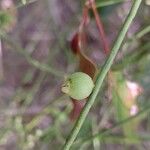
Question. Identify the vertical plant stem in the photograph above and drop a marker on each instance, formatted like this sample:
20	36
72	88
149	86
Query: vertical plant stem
101	75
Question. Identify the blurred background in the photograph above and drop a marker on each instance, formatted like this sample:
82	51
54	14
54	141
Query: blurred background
35	56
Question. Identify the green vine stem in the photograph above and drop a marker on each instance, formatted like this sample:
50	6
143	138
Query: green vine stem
101	75
108	2
142	32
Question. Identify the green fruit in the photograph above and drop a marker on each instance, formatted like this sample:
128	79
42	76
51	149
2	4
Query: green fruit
78	86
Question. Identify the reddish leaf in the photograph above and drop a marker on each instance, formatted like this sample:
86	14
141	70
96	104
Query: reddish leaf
77	107
86	65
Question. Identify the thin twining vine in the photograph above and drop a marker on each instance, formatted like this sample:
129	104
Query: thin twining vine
101	75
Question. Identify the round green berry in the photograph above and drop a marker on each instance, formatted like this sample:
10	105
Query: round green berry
78	86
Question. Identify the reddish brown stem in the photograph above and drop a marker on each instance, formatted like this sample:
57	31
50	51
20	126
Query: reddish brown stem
100	26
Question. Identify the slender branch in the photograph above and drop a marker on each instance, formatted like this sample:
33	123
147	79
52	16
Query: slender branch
138	54
143	32
109	2
137	36
132	140
108	131
101	76
32	61
132	57
22	4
